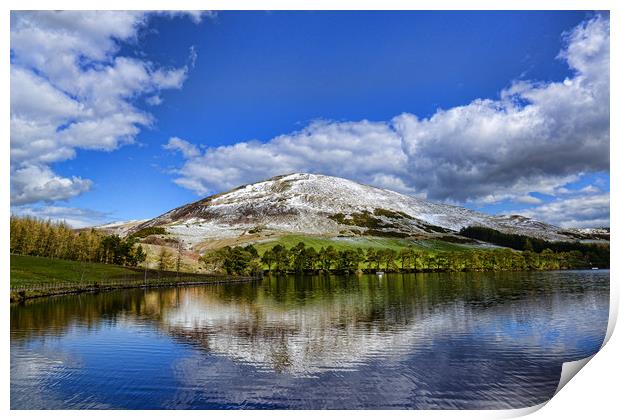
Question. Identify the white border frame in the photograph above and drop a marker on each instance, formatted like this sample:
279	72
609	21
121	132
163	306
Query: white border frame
591	394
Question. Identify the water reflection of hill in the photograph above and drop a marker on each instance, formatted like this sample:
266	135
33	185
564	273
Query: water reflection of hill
306	325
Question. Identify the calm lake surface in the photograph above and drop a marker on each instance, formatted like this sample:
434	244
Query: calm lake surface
483	340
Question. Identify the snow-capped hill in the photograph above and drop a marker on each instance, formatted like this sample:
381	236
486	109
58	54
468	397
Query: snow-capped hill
303	203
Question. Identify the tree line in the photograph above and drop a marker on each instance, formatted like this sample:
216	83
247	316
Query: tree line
46	238
596	254
302	259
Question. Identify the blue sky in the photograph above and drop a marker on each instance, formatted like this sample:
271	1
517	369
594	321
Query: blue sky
263	85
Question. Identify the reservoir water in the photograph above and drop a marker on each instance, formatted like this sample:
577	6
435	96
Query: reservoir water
412	341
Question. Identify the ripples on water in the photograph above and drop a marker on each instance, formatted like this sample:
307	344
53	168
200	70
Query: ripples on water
491	340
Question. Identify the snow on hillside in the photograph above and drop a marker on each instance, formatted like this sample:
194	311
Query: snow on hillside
325	205
593	231
120	227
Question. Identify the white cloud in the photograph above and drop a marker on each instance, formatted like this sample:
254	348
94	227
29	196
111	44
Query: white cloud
367	151
187	149
169	79
195	15
193	56
534	133
536	137
33	183
71	90
579	211
590	189
52	105
528	199
154	100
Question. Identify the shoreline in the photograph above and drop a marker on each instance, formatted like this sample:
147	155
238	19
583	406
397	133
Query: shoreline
16	296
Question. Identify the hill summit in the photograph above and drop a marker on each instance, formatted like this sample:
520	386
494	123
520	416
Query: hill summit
312	204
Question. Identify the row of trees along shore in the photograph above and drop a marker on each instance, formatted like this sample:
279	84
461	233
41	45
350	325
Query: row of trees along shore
595	254
302	259
44	238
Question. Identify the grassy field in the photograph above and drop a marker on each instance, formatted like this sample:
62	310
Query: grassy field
429	245
27	270
39	276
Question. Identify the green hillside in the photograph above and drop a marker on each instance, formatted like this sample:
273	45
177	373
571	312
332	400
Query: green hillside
343	243
28	270
41	276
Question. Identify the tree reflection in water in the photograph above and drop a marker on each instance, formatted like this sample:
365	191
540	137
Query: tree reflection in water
440	329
